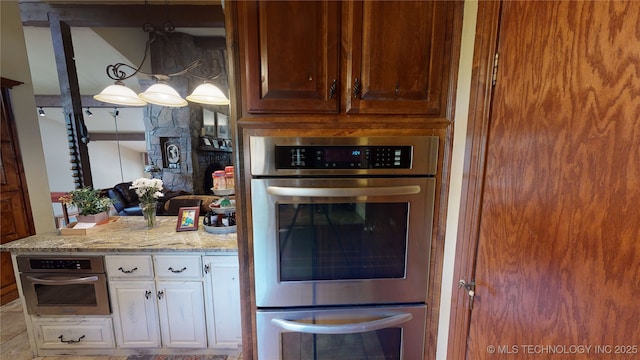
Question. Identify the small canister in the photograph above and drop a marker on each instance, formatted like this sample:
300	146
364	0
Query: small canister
229	180
219	181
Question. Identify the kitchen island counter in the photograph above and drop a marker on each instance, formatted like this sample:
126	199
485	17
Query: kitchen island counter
128	234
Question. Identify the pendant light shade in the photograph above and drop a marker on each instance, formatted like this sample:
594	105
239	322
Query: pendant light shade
161	93
208	93
119	94
164	95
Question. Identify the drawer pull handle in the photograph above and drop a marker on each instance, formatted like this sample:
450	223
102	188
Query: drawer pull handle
147	294
177	271
127	271
62	340
207	268
160	294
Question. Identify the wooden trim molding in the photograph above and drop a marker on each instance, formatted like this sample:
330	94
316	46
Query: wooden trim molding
473	178
8	83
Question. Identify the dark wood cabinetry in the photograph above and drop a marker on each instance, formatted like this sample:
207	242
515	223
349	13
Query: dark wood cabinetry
352	57
290	54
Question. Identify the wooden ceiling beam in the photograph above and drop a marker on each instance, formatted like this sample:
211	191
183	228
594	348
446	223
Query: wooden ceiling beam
80	15
120	136
86	100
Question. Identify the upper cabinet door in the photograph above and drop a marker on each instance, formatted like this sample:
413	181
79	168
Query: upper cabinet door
290	52
400	57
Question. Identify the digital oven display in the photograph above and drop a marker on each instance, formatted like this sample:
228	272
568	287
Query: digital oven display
343	157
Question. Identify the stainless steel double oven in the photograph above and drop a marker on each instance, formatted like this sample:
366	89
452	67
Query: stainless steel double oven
341	242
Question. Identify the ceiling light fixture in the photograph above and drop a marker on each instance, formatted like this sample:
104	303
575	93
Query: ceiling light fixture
88	112
160	93
41	111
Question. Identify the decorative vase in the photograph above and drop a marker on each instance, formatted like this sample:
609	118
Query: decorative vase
99	218
149	213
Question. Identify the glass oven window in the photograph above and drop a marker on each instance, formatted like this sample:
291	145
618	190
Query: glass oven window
67	295
381	344
342	241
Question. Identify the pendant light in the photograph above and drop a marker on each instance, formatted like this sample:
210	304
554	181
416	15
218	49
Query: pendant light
119	94
160	93
208	93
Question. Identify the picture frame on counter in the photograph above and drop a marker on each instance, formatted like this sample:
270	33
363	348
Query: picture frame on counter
188	218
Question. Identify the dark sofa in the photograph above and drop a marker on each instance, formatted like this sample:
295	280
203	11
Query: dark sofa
127	203
125	200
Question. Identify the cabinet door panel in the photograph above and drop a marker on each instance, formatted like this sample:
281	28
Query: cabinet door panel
223	287
289	70
400	57
135	314
182	315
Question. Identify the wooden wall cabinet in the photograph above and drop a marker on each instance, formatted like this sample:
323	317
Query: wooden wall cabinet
352	57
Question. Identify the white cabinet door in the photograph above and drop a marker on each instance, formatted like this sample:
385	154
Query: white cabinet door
182	316
223	308
135	313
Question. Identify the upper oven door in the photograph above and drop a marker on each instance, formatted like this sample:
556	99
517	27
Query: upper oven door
341	241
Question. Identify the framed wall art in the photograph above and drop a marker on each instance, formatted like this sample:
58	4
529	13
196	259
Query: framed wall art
188	218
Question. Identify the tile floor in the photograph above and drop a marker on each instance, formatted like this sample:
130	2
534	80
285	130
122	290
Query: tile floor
14	343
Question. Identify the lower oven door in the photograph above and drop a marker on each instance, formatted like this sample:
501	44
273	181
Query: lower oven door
65	294
342	241
354	333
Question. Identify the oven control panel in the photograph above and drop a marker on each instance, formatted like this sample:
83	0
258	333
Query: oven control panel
85	264
52	264
343	157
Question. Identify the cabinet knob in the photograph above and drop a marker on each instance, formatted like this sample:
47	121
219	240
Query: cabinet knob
147	294
160	294
207	268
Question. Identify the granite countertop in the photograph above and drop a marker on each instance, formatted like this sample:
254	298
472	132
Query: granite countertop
127	234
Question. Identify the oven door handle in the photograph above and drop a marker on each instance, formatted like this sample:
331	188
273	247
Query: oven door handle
63	281
343	192
343	328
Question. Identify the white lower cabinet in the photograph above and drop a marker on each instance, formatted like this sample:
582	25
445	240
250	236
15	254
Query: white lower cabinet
135	313
222	289
73	333
166	310
182	319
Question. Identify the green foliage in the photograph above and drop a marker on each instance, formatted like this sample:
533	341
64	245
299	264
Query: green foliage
87	200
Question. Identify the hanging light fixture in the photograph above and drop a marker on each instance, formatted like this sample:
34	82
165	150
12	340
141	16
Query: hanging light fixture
160	93
88	112
41	111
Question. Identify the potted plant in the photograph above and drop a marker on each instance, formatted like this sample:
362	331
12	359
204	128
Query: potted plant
92	207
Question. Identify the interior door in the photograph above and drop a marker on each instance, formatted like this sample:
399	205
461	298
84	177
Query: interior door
14	204
558	253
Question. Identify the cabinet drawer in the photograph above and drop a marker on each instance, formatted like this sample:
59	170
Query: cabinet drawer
129	267
182	267
73	333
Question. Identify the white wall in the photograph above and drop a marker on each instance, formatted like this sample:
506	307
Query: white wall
14	65
457	164
103	155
